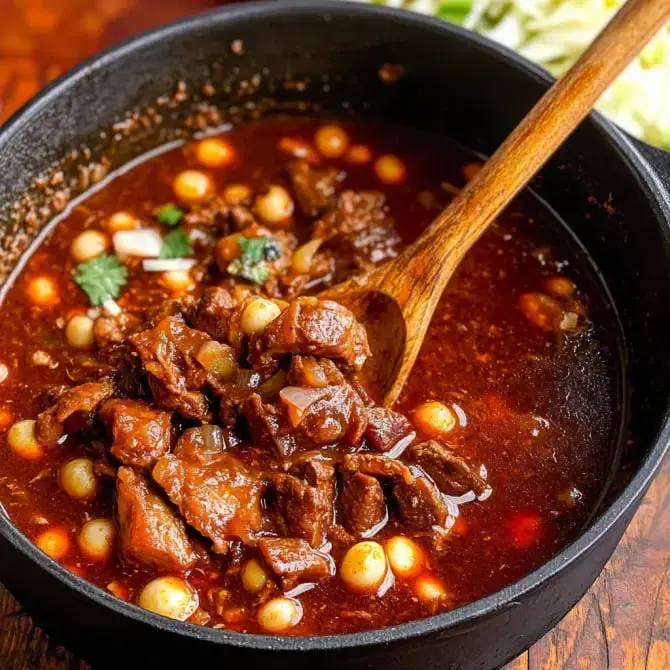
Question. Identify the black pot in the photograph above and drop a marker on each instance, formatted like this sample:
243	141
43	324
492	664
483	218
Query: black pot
457	84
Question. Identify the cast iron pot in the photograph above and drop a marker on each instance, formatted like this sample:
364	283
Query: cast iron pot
615	201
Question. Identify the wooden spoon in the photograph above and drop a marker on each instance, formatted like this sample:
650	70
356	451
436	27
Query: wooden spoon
396	301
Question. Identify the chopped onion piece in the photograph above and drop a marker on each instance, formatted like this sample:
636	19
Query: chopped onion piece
112	307
212	436
168	264
145	243
297	399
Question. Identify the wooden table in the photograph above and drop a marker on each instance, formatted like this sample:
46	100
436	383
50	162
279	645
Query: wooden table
622	622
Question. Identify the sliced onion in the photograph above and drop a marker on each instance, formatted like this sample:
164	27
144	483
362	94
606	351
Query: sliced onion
298	399
274	384
112	307
145	243
168	264
212	436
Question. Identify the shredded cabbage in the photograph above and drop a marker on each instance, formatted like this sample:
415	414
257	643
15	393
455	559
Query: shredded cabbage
554	33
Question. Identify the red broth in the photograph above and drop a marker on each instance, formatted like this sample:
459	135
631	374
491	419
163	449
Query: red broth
536	406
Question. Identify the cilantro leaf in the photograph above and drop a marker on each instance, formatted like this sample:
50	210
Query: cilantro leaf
176	245
251	265
169	214
101	278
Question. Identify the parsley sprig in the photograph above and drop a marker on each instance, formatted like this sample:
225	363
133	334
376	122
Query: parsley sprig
169	214
256	251
176	244
101	278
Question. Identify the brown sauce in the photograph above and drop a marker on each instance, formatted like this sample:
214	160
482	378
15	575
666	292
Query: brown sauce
536	408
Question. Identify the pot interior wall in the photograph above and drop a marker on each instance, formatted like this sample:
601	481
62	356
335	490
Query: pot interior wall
453	87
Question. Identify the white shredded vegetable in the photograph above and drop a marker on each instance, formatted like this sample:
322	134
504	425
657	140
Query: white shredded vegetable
554	33
145	243
168	264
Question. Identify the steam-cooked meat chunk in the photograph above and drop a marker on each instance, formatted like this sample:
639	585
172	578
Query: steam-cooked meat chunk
420	504
212	313
114	329
294	561
150	533
325	415
314	372
215	492
305	500
388	430
268	427
140	433
82	398
310	326
354	213
168	352
313	187
451	473
362	503
377	465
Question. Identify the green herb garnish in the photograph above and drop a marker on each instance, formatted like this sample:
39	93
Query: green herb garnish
169	214
102	278
256	251
176	245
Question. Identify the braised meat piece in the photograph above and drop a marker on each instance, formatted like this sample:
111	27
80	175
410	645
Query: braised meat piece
150	533
215	492
354	213
377	465
168	352
310	326
140	433
325	415
314	188
212	312
268	427
362	503
451	473
82	398
305	500
171	307
388	430
294	561
420	504
114	329
314	372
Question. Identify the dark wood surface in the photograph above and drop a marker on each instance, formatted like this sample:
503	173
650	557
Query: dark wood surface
623	622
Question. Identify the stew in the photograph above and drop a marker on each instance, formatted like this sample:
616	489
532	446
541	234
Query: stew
182	418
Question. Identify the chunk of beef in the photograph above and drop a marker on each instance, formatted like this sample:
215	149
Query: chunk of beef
168	352
354	213
212	313
377	465
294	561
268	427
314	188
325	415
310	326
451	473
362	503
215	492
82	398
140	433
314	372
171	307
305	500
108	330
420	504
150	533
388	431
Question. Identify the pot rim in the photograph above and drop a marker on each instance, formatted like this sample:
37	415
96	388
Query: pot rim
507	597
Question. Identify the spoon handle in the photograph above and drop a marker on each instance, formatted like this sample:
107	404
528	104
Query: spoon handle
531	144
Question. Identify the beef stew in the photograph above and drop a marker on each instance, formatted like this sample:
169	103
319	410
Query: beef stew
183	419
